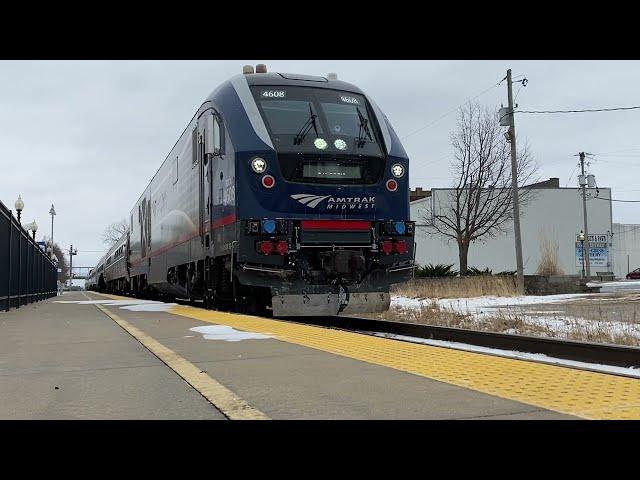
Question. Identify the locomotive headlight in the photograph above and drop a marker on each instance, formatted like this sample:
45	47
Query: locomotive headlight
340	144
258	165
320	143
397	170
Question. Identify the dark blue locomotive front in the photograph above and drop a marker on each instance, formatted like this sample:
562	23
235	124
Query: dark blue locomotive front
324	205
289	192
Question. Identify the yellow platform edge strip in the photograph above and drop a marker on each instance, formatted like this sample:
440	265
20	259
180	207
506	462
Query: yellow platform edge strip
580	393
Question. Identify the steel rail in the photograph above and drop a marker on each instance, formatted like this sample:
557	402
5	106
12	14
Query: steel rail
599	353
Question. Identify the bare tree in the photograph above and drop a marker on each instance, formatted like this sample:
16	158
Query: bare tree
63	276
480	203
114	232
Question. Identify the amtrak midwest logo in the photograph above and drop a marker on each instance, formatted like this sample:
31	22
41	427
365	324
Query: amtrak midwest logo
336	203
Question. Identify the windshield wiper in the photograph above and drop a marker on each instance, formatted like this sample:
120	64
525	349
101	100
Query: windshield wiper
364	129
306	128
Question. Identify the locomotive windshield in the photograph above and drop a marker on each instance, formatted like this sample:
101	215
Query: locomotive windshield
322	135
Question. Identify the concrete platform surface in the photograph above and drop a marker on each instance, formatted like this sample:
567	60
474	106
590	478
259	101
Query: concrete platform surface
67	361
101	371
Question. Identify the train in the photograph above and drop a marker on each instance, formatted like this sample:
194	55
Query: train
285	193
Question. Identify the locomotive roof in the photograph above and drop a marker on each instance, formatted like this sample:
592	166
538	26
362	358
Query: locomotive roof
299	80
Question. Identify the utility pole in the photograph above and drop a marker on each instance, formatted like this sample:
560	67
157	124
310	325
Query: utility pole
72	252
514	188
585	250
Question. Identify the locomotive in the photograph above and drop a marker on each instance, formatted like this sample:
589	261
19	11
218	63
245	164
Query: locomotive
285	192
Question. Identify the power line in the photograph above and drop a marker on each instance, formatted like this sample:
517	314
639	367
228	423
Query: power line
572	174
588	110
518	92
616	200
452	110
578	111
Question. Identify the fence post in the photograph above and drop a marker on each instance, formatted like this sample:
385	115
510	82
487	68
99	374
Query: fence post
19	263
30	258
37	273
10	255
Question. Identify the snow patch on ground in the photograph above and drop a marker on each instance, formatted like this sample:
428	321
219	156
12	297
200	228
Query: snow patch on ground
133	305
482	306
150	307
619	283
617	286
479	306
107	302
537	357
227	334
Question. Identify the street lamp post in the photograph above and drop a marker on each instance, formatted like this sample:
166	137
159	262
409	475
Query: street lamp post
34	229
52	212
581	238
19	207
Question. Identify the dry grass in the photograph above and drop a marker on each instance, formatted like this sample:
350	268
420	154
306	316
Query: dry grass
458	287
549	256
611	319
518	321
582	322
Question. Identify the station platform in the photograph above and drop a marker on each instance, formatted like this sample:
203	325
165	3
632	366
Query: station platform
93	356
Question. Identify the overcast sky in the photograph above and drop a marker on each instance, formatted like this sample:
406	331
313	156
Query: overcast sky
89	135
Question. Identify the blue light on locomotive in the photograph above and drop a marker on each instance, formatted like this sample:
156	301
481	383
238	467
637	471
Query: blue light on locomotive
269	226
400	228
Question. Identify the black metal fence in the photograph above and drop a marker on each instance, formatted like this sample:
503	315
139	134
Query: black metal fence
26	272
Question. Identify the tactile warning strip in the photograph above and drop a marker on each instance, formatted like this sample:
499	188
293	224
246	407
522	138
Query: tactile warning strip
574	392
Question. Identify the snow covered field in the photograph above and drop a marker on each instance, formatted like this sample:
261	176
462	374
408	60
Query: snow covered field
612	316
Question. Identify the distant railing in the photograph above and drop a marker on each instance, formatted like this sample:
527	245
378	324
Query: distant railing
26	272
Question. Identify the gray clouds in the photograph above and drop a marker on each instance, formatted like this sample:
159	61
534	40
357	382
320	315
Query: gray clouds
70	129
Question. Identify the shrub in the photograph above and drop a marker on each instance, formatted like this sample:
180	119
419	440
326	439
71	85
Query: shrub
477	271
438	270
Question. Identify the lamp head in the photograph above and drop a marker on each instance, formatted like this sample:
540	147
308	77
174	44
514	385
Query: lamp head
19	204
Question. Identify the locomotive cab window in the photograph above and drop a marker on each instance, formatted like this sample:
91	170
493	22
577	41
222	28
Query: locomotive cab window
217	137
175	176
322	135
194	147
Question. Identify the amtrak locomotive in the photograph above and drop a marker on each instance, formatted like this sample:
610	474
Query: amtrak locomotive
285	192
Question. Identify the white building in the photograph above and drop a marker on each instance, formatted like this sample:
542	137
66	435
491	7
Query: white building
626	248
552	212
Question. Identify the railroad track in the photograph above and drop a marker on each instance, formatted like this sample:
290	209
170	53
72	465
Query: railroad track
599	353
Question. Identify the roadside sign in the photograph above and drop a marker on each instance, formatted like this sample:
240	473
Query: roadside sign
598	255
595	237
598	250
